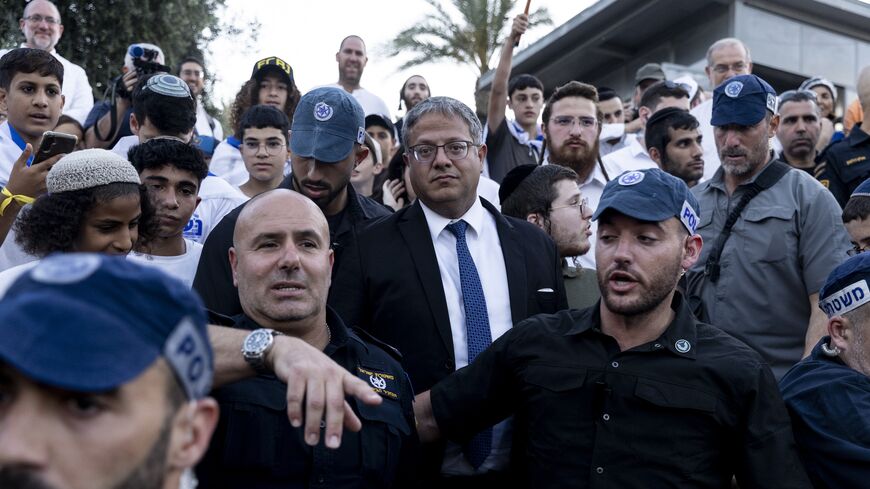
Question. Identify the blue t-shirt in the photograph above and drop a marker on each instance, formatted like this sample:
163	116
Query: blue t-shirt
101	109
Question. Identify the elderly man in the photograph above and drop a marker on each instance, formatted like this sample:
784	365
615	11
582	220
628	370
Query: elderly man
442	278
828	394
726	58
42	28
775	233
106	386
634	391
282	263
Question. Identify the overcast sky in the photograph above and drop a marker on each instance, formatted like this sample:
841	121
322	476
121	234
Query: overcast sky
307	34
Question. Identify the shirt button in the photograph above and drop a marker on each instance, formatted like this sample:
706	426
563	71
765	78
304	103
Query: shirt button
658	345
606	417
615	364
599	470
322	424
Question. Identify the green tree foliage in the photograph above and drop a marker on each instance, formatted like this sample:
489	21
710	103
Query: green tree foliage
96	33
470	33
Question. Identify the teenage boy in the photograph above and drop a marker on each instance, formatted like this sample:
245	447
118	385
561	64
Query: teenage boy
265	149
517	142
172	172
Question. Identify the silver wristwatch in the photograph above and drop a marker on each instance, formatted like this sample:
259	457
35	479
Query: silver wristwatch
256	345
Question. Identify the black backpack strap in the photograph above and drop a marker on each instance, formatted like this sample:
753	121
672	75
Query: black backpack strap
768	178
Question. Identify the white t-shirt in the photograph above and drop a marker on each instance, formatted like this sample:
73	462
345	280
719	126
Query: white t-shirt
218	198
227	163
78	97
182	267
371	103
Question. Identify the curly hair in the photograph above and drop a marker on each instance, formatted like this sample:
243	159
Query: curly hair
249	95
53	222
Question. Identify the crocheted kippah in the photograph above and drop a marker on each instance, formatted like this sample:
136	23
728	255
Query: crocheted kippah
89	168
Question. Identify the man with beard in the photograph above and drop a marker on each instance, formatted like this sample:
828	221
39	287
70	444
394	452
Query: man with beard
444	276
799	128
634	391
413	91
281	260
42	28
761	283
673	141
106	386
352	59
328	134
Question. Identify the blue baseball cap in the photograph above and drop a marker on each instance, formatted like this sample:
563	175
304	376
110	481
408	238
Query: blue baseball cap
327	123
742	100
91	323
847	286
650	195
862	190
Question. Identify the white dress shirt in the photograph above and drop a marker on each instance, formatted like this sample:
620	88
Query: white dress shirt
485	248
76	90
630	158
704	113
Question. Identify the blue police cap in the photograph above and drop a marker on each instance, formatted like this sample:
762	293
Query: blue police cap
326	124
862	190
91	323
742	100
650	195
846	288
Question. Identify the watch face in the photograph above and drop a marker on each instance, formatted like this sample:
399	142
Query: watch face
257	341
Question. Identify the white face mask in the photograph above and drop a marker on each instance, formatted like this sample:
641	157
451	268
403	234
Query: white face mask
611	131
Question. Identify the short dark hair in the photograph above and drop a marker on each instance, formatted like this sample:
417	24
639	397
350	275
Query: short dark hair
68	119
657	134
858	207
522	82
260	116
160	152
571	89
53	222
170	115
536	193
190	59
659	90
27	60
607	93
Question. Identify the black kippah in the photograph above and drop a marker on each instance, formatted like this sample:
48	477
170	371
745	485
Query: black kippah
513	179
662	114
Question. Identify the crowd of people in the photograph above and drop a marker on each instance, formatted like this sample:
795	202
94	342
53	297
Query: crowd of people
666	290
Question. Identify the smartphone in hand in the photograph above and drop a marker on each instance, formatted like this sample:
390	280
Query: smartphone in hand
53	144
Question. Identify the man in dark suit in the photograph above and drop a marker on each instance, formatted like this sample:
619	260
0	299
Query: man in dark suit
443	278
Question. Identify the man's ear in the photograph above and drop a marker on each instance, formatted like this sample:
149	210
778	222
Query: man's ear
774	125
840	329
536	219
691	250
134	124
191	433
234	262
655	155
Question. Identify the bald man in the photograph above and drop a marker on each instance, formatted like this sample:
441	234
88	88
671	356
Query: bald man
42	28
282	264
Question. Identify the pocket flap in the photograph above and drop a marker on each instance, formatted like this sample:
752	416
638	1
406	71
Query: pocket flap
761	213
674	396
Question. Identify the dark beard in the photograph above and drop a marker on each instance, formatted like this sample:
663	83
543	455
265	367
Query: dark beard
150	475
582	164
661	284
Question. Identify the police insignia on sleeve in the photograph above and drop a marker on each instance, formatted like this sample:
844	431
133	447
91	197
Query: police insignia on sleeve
383	383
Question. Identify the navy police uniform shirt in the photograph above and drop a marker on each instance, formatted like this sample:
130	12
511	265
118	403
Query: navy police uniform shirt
845	164
254	445
688	409
829	404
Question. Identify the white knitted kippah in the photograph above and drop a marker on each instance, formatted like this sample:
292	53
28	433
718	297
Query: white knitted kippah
89	168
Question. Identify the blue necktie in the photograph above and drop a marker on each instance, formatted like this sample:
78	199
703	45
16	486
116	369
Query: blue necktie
477	329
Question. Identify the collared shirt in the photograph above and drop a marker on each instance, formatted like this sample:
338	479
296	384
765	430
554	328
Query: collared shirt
590	189
688	410
704	113
845	164
829	404
630	158
781	250
76	90
485	248
254	445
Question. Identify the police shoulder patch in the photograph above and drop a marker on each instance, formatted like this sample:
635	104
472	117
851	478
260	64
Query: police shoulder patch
384	383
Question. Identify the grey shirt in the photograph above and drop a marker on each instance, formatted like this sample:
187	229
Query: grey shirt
781	250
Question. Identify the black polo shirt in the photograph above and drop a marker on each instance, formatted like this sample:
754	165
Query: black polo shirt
254	445
688	410
845	164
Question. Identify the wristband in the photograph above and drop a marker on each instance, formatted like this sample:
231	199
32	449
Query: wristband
21	199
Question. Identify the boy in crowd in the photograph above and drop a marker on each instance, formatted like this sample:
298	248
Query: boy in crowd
856	217
265	148
673	141
172	172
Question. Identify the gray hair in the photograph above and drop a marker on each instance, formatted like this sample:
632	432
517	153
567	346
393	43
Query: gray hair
445	106
728	41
